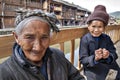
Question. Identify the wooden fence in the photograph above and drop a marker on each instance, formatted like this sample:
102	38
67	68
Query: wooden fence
66	34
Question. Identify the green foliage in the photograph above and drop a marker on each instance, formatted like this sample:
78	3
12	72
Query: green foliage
6	31
118	20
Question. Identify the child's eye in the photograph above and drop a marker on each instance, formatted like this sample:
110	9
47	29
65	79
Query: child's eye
97	26
100	26
93	26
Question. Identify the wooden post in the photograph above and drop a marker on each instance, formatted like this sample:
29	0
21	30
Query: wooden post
62	46
3	13
72	51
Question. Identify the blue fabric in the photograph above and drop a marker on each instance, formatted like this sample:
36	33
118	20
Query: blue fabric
108	60
96	62
96	38
43	70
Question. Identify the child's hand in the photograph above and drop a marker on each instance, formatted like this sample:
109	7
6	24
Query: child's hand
105	53
98	54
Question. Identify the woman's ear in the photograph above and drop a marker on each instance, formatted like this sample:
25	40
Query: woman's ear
15	36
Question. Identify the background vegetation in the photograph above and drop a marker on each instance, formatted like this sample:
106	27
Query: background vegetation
116	15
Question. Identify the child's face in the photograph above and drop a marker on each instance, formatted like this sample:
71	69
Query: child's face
96	28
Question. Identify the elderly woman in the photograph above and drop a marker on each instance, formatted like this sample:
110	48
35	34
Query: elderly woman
32	58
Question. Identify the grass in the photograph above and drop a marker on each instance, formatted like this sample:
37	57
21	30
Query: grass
118	21
3	59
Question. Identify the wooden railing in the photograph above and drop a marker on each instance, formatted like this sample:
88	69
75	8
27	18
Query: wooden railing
113	32
66	34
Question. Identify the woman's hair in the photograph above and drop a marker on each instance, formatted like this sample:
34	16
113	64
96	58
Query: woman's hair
24	16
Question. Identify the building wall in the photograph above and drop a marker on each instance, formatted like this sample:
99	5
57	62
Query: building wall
65	13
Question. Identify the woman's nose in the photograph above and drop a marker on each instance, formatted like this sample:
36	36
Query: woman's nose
37	45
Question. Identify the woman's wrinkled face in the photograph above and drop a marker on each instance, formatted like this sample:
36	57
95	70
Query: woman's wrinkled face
96	28
34	40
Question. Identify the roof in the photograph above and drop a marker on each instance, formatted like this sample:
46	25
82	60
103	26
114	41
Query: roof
72	5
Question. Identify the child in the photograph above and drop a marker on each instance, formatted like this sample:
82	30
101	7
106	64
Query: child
97	51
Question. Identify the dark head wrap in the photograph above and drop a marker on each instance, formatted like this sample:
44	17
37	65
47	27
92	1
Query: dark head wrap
25	15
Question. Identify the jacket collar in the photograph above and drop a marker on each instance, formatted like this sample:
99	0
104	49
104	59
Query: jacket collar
92	38
18	55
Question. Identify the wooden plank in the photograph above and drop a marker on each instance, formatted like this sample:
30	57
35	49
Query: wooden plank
62	46
68	34
6	44
72	51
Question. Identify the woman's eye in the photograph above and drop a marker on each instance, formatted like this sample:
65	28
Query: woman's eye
45	38
29	37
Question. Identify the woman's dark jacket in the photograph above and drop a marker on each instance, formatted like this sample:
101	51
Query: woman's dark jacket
58	67
97	70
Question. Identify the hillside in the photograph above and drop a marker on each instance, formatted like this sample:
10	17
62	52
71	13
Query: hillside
115	14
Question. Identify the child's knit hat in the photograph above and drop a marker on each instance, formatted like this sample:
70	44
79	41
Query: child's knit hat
99	13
